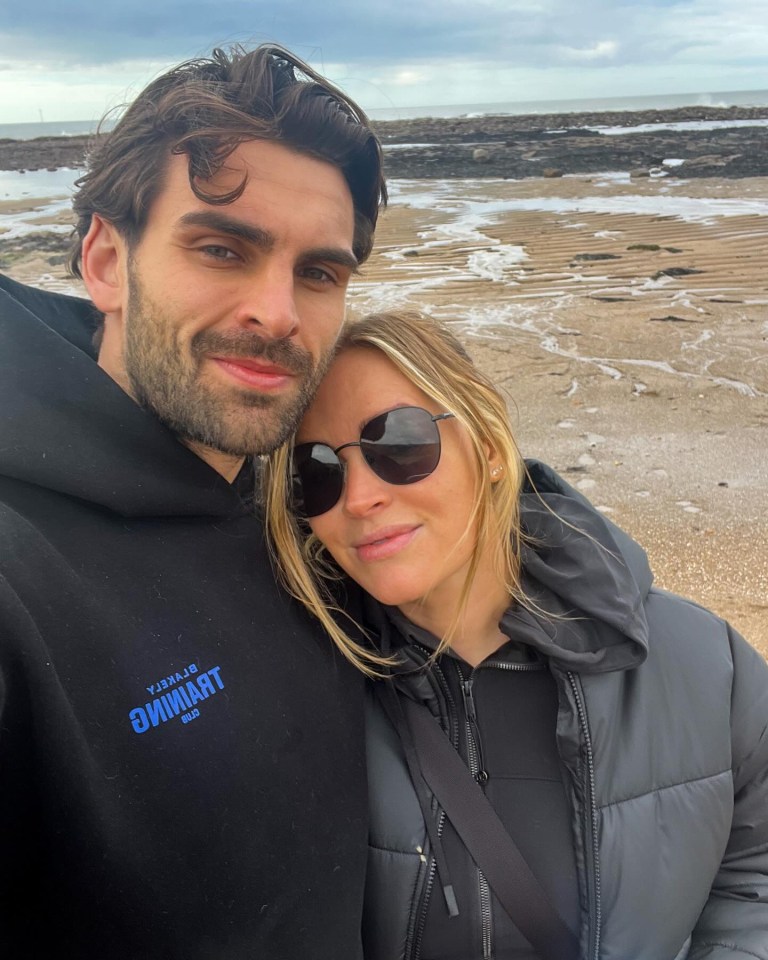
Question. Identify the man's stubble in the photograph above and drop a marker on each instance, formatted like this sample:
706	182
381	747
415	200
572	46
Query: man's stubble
165	378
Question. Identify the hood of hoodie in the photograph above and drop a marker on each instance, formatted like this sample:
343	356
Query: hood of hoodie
67	426
585	579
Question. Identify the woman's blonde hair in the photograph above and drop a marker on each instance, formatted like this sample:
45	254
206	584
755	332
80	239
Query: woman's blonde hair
433	359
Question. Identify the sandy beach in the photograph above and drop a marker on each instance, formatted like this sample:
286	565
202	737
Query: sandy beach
627	321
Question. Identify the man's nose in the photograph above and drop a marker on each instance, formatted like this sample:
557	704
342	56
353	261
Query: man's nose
364	491
269	302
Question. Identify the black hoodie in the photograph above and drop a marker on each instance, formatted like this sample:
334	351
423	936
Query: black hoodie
181	759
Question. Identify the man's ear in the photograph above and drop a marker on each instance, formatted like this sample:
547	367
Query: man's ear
103	266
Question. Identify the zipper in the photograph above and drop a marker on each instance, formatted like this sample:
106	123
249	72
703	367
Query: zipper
413	945
436	673
475	761
426	893
595	872
474	745
487	917
413	949
517	667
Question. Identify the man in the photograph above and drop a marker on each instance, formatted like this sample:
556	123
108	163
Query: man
181	765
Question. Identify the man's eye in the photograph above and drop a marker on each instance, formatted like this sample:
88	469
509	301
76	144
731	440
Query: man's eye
218	252
318	274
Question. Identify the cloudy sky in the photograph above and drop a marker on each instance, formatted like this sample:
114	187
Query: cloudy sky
74	60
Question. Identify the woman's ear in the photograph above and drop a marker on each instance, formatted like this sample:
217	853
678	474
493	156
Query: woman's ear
103	266
494	465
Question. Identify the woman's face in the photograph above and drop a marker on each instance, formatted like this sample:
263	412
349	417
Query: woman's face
408	544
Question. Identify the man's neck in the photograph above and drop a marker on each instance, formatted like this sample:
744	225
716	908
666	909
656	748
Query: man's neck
227	465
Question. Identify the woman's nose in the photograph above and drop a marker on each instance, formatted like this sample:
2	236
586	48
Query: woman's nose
363	490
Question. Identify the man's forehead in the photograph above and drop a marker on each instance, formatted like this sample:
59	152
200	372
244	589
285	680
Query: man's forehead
264	176
266	161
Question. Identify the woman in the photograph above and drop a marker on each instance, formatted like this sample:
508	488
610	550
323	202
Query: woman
620	733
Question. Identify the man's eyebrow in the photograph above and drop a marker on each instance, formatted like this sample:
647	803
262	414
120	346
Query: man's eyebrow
337	255
232	227
221	223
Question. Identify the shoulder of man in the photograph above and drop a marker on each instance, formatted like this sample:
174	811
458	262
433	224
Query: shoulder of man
75	317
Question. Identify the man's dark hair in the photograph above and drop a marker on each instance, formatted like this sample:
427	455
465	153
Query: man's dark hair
205	108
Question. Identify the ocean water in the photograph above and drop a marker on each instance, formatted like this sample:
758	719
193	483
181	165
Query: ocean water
15	185
63	128
728	98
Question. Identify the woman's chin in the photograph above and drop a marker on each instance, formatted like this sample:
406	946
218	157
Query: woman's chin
392	595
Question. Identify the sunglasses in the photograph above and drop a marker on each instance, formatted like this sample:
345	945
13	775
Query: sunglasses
401	446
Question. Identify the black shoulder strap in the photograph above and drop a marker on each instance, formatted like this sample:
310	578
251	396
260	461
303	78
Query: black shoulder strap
487	840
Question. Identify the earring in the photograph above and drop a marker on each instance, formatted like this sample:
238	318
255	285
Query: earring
496	472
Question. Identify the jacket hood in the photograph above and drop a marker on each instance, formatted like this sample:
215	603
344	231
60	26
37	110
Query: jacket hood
585	579
65	425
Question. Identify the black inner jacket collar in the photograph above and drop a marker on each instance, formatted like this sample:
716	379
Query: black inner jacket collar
511	652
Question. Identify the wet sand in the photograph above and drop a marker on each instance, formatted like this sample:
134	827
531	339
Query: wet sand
627	321
649	395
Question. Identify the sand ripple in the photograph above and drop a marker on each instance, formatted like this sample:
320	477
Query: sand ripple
628	322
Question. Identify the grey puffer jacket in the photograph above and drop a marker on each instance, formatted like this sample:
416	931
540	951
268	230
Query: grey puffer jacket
663	732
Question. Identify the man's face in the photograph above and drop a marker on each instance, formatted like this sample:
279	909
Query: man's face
232	311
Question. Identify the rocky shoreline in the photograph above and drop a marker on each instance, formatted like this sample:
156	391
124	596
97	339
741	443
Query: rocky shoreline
518	147
557	144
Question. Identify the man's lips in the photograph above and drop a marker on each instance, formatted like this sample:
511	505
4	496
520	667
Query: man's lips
385	542
254	373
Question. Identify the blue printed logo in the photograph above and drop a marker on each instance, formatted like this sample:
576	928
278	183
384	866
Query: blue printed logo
185	689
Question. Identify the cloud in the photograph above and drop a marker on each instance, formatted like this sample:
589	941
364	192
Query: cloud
406	77
334	30
436	51
602	50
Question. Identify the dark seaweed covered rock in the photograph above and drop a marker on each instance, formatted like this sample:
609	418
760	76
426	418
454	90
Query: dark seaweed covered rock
519	147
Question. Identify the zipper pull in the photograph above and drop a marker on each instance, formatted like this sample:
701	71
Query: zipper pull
469	700
450	900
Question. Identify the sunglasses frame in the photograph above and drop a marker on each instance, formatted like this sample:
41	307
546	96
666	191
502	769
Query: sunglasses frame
434	418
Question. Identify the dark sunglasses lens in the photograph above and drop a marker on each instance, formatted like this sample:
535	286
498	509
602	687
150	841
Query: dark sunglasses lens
401	446
318	479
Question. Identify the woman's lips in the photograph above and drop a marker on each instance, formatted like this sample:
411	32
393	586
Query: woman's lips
259	376
385	542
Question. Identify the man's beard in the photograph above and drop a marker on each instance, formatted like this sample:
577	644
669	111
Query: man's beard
165	378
